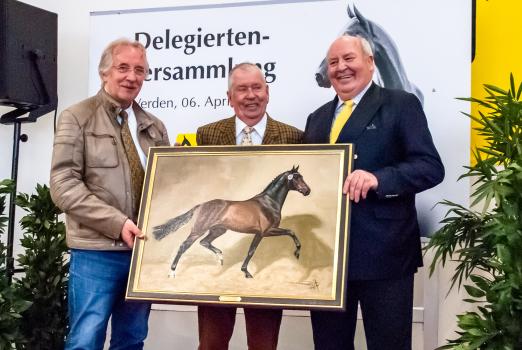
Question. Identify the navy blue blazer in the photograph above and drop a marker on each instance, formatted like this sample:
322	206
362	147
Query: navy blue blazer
390	133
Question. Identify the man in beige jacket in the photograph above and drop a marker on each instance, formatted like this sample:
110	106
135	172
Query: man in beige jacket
99	154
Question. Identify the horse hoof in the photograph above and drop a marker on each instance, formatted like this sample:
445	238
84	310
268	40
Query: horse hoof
296	254
172	274
247	274
220	259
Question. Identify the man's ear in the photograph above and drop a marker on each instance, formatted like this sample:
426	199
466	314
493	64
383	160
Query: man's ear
103	77
371	62
229	95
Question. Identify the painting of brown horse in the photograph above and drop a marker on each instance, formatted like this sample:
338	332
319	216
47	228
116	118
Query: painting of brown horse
259	215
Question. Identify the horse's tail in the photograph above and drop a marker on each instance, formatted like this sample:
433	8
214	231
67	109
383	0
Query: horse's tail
172	225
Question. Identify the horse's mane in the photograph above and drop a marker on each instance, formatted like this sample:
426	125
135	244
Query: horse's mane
275	180
278	178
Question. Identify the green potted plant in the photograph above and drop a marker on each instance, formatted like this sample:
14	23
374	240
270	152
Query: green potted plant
46	272
11	303
487	244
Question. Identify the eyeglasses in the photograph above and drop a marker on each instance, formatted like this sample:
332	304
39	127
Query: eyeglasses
125	69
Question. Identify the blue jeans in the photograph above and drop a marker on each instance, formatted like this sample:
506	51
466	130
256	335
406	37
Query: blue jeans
97	285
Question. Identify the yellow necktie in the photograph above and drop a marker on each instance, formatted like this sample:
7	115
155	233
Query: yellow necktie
136	169
341	119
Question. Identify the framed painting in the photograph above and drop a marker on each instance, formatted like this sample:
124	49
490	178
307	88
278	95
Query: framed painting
260	226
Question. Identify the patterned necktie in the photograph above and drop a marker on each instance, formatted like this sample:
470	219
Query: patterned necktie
136	169
341	119
247	136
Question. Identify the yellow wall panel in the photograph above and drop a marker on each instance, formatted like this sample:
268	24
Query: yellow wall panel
498	50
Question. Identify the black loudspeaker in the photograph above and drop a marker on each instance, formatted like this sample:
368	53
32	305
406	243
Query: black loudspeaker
28	50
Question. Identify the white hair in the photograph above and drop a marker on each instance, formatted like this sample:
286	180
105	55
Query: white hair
107	54
245	66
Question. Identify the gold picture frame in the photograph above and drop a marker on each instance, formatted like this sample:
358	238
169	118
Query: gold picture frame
194	196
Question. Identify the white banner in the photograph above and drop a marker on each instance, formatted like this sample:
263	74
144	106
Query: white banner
422	47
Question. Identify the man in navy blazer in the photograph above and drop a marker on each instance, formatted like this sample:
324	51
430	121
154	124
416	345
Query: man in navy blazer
395	158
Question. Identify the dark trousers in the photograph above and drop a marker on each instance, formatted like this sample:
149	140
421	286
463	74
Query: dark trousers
216	325
386	307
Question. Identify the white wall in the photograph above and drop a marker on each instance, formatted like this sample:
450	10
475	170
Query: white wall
73	53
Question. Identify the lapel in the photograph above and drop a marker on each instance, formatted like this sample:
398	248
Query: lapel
228	132
362	115
143	121
272	134
325	124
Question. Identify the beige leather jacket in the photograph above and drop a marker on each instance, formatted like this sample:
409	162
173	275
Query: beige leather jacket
90	176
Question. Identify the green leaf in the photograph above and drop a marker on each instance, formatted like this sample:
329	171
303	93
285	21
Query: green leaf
486	246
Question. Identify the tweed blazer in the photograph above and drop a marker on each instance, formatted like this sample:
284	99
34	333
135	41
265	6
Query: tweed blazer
223	132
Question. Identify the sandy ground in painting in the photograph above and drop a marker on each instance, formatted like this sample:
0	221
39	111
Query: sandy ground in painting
276	271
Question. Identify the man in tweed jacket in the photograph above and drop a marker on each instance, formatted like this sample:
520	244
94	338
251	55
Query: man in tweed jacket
251	125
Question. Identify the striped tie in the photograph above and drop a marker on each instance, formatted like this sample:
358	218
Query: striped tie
136	169
341	120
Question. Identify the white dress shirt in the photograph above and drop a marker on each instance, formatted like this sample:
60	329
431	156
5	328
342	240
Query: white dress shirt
256	135
355	100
